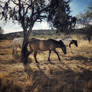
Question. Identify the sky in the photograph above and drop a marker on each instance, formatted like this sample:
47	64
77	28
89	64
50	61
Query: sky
77	7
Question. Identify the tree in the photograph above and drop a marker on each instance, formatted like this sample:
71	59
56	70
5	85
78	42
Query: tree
90	10
27	12
60	11
86	17
82	19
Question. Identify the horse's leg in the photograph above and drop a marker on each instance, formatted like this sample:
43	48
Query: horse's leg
28	53
49	55
57	54
20	46
14	51
35	53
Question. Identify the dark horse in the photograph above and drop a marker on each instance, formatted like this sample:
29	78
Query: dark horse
44	45
73	42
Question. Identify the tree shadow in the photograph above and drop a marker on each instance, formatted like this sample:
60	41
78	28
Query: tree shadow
5	47
38	77
60	80
81	58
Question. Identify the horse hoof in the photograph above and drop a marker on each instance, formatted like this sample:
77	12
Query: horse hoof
37	62
51	63
49	60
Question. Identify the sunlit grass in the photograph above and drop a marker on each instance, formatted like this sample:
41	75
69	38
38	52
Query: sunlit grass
73	74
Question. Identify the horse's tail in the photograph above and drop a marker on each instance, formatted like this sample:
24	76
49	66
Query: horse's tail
25	52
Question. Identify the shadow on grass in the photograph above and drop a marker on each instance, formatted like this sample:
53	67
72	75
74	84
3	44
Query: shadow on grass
5	47
81	58
9	86
58	80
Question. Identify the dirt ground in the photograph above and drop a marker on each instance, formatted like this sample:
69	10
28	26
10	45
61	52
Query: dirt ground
72	74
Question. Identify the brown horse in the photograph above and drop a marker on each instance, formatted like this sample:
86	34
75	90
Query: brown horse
44	45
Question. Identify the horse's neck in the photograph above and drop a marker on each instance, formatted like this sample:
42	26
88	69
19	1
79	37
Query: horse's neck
57	44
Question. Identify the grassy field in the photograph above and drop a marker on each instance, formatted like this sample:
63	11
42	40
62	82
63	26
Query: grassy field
72	74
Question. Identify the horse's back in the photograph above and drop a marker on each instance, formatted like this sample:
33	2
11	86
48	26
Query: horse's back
17	41
37	44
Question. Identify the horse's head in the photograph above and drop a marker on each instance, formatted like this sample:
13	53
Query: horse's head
62	46
73	42
76	43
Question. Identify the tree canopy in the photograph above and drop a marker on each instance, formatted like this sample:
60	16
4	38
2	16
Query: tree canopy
27	12
61	15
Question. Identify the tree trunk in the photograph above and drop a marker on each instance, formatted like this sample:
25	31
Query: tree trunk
26	33
24	51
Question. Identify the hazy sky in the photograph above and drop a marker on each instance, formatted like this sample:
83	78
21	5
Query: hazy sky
77	6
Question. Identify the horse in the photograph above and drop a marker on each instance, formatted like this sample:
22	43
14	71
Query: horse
44	45
73	42
16	43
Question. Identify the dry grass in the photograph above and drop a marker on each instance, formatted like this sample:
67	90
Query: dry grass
74	74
